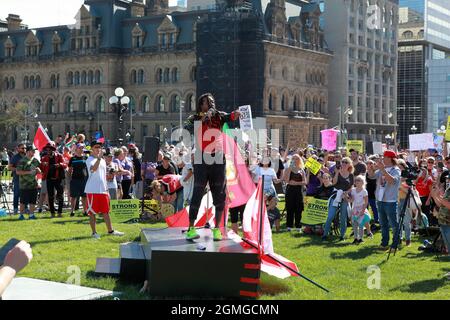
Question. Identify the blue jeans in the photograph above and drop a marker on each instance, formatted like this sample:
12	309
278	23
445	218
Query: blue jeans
179	202
387	212
373	205
16	195
445	230
342	218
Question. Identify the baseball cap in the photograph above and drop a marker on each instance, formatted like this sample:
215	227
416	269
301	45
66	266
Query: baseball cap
30	148
390	154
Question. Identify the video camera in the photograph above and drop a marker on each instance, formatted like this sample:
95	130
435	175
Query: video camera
411	173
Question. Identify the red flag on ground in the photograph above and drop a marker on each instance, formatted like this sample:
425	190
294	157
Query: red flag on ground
40	138
240	185
259	233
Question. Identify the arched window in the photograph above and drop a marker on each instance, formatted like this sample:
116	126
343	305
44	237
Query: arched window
141	78
190	103
90	77
407	34
12	83
133	77
70	78
175	75
77	78
307	104
270	102
51	106
26	82
296	104
98	77
32	82
283	102
38	106
145	104
6	83
84	104
68	105
132	105
83	77
100	104
53	81
159	75
175	103
166	75
160	104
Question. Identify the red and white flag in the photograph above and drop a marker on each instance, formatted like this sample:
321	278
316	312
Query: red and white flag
40	138
240	185
257	230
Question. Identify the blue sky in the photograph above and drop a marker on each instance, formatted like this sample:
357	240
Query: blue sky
43	13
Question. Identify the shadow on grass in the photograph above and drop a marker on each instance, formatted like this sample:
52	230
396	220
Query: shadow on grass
424	286
273	287
35	243
361	253
313	241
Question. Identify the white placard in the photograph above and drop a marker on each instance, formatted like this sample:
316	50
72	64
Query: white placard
377	147
245	118
423	141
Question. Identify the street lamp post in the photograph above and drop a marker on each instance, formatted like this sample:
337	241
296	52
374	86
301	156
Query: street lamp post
414	129
441	130
342	120
121	103
27	115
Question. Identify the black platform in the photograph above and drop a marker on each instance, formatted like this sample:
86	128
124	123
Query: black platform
175	267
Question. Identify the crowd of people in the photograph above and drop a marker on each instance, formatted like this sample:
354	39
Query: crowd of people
369	192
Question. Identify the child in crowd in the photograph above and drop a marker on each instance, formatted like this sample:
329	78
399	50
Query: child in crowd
359	214
272	211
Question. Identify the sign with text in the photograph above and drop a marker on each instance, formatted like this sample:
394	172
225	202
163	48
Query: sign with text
315	212
125	207
357	145
313	165
329	139
245	119
421	141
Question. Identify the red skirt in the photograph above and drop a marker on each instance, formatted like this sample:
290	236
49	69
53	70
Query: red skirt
97	203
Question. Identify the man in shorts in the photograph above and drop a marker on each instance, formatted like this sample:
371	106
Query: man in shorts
27	169
97	196
78	176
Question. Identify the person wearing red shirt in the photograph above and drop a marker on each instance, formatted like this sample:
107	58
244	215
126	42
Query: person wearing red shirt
424	184
53	168
211	121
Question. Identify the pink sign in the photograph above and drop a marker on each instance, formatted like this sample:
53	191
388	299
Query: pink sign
329	139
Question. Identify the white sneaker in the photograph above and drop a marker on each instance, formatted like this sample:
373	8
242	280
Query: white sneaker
116	233
96	236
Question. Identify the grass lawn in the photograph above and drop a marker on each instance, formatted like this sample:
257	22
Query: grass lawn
341	267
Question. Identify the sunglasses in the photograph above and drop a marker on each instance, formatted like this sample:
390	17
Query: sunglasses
345	162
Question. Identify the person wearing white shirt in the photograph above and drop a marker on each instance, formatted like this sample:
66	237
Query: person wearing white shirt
97	195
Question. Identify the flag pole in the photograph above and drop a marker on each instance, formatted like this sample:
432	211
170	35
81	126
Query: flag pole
289	268
261	212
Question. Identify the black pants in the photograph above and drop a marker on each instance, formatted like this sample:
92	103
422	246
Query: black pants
126	185
57	185
294	206
215	175
237	213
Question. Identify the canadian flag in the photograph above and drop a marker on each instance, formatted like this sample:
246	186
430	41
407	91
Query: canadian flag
40	138
206	214
257	231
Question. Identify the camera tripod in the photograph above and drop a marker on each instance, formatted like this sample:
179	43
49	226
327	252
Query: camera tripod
3	199
406	204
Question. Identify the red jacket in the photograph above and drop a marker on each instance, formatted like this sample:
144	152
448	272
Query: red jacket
45	167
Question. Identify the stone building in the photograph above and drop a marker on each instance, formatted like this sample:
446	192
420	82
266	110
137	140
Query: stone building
66	74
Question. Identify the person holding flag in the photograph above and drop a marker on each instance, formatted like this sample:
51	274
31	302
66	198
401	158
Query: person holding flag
211	121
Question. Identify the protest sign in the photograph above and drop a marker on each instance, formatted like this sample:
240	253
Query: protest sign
315	211
245	119
437	142
447	132
329	139
313	165
421	141
377	148
125	207
357	145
